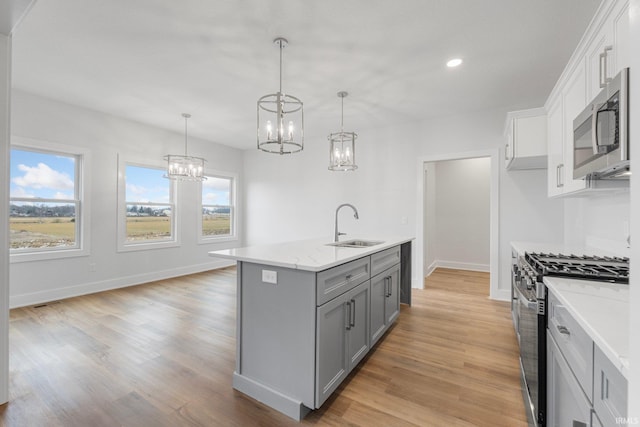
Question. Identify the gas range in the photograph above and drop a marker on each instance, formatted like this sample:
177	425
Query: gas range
607	269
528	306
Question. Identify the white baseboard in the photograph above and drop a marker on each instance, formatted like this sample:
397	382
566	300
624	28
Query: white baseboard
458	266
431	268
501	295
33	298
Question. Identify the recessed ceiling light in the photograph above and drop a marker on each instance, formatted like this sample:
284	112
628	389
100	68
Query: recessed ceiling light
454	62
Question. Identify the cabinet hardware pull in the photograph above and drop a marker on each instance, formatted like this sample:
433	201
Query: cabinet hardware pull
506	151
353	312
603	67
563	330
348	317
348	276
560	177
577	423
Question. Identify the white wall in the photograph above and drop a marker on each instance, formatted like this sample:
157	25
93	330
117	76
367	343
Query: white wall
460	227
107	137
634	303
599	221
294	197
5	96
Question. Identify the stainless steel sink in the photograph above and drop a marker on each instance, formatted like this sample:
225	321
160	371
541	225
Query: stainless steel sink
356	243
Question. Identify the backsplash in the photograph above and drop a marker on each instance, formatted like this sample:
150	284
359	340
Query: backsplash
600	222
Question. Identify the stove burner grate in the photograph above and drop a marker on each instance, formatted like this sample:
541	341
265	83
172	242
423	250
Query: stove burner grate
612	269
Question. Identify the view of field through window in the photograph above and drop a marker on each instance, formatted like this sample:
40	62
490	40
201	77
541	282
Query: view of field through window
43	201
148	204
216	207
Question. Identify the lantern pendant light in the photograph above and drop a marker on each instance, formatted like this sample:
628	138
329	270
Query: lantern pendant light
280	118
342	145
185	167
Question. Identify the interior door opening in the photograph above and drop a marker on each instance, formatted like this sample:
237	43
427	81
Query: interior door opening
457	214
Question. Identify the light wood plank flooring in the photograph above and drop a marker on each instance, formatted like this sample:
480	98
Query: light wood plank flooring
162	354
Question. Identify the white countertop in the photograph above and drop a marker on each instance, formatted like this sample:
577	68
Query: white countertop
602	309
309	255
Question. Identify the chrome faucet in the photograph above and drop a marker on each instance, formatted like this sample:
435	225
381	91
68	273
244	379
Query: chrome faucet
336	233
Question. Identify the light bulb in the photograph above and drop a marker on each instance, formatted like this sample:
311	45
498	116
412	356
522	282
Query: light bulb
454	62
269	129
291	130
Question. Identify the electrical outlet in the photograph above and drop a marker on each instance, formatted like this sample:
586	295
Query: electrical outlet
269	276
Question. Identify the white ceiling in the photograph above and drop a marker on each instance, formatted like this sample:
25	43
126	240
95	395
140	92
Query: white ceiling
151	60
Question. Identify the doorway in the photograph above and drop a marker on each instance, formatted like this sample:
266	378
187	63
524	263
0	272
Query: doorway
456	214
428	256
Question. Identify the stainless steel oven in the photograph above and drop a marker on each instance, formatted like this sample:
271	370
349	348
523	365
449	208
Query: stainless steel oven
529	302
530	298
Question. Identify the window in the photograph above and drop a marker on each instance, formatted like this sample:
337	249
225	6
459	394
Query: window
147	213
46	210
217	214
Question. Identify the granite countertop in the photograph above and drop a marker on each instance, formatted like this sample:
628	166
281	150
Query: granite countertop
602	310
308	255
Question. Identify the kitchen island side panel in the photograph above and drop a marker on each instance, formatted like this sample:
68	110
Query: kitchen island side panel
277	336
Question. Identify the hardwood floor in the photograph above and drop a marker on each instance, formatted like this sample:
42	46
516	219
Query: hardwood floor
162	354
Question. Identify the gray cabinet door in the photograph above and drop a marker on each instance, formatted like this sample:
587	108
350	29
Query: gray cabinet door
331	348
378	301
385	301
566	403
358	332
392	304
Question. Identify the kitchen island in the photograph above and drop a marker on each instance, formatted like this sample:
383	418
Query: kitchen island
308	312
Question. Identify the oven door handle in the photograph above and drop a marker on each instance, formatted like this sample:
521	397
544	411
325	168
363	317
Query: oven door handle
532	305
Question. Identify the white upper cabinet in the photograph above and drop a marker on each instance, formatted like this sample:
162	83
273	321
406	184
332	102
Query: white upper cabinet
608	52
574	100
526	139
601	54
555	146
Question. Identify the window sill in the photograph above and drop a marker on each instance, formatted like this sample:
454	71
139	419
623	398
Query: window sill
145	246
17	257
215	240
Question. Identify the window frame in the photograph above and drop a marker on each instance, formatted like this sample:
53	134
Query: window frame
123	245
81	194
233	206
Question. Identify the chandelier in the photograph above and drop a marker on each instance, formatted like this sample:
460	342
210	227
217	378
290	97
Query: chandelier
185	168
342	148
280	118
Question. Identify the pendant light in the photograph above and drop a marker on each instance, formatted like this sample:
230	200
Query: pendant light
280	118
342	145
185	167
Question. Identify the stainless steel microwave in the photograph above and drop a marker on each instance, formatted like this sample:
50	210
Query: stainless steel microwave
601	133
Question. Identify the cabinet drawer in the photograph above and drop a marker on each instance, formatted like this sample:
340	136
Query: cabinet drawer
609	390
382	260
574	343
567	406
337	280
